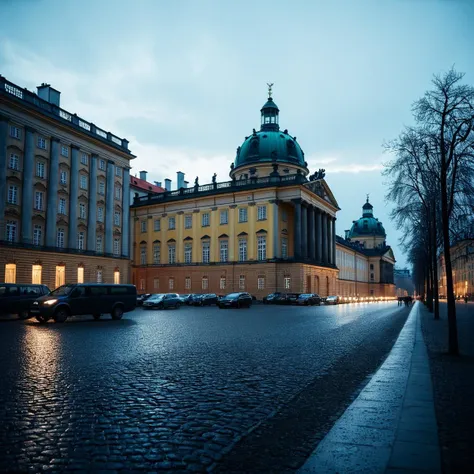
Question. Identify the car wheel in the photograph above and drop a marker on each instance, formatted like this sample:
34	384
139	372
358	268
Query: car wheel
96	316
24	314
117	313
61	315
177	305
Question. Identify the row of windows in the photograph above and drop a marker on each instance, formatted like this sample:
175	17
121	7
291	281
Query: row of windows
60	273
205	219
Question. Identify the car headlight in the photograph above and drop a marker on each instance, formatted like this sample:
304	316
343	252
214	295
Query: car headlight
50	302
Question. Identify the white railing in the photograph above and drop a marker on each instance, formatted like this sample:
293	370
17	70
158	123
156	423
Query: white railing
65	115
84	125
14	91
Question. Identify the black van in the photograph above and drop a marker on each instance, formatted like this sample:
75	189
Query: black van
17	298
85	298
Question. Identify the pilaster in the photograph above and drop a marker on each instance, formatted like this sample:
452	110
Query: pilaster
304	231
319	235
3	172
73	195
92	211
27	187
126	213
109	208
312	234
297	228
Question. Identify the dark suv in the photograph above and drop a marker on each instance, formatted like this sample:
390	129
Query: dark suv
17	298
235	300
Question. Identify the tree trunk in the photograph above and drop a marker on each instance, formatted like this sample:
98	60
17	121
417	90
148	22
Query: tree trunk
429	292
435	264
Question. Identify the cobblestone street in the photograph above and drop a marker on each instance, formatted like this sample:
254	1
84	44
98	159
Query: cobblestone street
192	389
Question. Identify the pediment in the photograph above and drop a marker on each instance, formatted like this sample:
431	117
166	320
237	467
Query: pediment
321	189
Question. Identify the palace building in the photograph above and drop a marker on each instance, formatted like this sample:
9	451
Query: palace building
271	227
64	193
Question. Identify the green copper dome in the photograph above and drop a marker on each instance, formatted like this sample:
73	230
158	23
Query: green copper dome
367	225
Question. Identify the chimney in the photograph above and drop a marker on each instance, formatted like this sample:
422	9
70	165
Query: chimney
346	232
180	180
157	183
185	184
47	93
143	175
168	184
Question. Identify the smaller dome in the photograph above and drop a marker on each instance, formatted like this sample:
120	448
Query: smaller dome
367	225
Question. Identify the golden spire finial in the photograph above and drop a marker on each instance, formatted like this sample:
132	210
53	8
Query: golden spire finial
270	90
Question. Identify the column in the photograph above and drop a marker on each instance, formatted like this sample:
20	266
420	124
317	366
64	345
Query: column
3	172
179	238
214	220
319	236
304	231
276	229
232	238
297	228
109	208
252	239
92	211
312	234
329	237
333	220
27	187
126	213
73	197
324	226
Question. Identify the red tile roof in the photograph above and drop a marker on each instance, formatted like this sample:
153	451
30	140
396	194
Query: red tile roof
142	185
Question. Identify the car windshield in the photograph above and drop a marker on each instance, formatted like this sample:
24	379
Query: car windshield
231	296
305	296
62	290
155	297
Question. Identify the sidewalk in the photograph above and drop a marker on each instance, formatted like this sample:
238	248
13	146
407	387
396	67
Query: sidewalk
391	427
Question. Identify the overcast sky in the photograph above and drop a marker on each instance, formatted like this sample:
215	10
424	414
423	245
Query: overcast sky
184	81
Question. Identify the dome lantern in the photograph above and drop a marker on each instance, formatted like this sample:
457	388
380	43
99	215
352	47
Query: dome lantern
367	209
269	113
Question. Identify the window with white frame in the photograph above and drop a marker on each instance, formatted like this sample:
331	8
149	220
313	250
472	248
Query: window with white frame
188	221
224	247
242	249
10	231
243	214
206	251
261	283
101	187
62	206
99	276
143	226
224	216
15	132
60	275
117	246
84	159
63	178
205	283
41	143
102	165
287	283
14	163
187	283
156	283
157	225
98	244
82	210
118	171
64	151
188	252
143	255
100	214
261	247
37	234
284	247
36	271
205	219
39	200
60	238
118	192
83	183
222	283
261	213
40	168
156	253
80	240
12	196
242	282
171	223
171	253
116	218
171	283
10	273
142	283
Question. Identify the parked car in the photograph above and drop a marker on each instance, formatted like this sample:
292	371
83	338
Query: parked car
142	298
308	299
17	299
235	300
271	298
85	298
206	299
163	301
186	299
332	300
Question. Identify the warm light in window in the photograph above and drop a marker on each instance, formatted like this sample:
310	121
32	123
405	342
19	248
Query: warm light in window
80	274
10	273
116	277
60	275
36	274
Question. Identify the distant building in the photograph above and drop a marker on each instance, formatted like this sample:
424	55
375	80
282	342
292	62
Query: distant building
403	282
64	193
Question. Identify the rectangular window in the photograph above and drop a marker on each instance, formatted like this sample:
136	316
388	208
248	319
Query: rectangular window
187	283
98	244
116	246
143	226
206	252
284	247
224	216
157	225
101	187
143	256
60	275
41	143
15	132
37	234
287	283
102	165
36	274
242	282
100	214
80	274
116	277
205	283
118	193
60	238
205	219
243	214
63	178
188	221
171	223
82	211
224	247
84	159
171	283
12	194
242	250
99	276
188	252
10	273
118	171
261	213
80	240
64	151
261	283
83	182
10	231
40	169
39	199
62	206
222	283
156	283
261	247
14	163
171	253
142	284
116	218
156	253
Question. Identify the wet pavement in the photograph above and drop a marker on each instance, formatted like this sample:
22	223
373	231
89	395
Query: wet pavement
178	389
